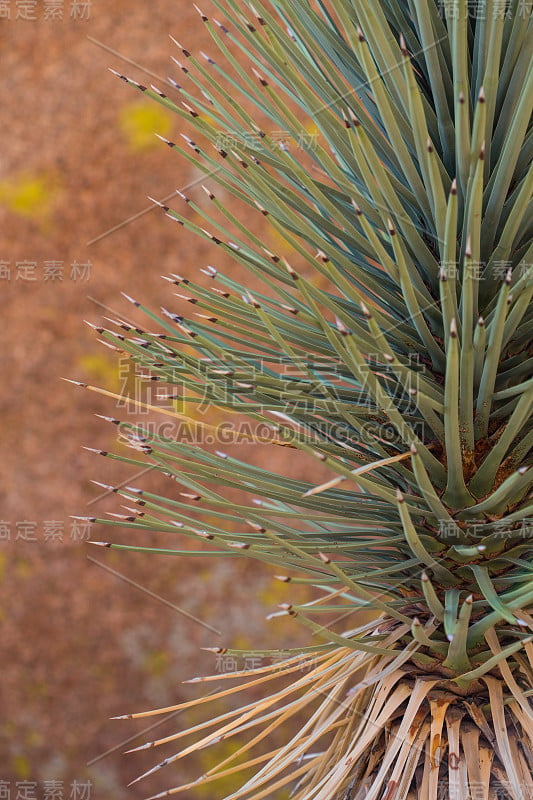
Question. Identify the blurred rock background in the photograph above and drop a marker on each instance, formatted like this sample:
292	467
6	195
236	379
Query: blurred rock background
82	642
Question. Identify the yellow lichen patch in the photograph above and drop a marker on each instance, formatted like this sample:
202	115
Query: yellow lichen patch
275	591
35	738
21	767
321	281
311	136
140	121
30	195
212	756
156	663
23	568
102	370
272	595
37	689
241	642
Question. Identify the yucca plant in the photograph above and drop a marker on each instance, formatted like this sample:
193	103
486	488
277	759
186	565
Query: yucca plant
405	370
